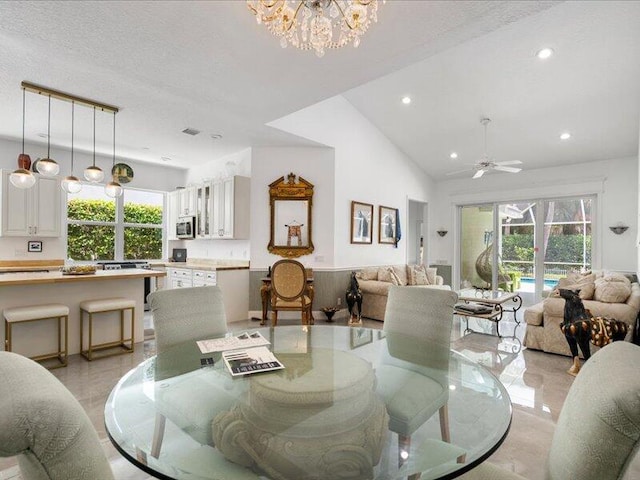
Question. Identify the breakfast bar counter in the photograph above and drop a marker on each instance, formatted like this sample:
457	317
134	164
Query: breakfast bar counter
23	289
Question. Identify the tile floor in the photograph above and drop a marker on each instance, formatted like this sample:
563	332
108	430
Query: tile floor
537	383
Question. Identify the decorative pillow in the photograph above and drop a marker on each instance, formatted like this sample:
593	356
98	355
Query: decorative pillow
576	281
417	275
386	274
431	275
612	288
401	272
369	273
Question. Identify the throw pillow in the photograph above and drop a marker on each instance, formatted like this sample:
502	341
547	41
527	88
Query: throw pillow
431	275
369	273
386	274
576	281
612	288
417	275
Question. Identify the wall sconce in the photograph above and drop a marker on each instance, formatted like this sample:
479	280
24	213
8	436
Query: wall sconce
619	228
442	233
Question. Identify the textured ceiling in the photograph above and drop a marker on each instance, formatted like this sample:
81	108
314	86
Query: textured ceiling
207	65
589	87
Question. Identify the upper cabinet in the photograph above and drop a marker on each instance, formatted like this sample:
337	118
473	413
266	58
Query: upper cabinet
187	202
31	212
173	209
230	212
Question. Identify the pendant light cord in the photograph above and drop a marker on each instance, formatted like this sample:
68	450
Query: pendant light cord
23	115
73	111
49	130
94	136
114	139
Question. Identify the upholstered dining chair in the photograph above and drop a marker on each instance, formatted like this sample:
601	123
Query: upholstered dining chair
598	431
418	323
181	315
42	423
290	291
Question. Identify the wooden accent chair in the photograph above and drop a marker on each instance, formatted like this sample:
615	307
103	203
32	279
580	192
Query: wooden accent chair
289	290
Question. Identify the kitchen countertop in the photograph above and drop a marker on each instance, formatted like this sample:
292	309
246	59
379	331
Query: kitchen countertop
29	278
201	266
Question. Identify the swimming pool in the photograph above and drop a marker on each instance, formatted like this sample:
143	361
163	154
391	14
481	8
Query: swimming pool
548	283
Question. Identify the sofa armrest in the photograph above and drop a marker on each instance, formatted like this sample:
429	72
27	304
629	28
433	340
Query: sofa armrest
439	280
375	287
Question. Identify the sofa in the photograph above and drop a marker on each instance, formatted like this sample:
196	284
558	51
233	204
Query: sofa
543	319
375	283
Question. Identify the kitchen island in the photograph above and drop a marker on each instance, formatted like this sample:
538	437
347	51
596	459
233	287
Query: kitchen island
36	288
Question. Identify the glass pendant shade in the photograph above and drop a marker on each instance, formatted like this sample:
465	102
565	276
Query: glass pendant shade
71	184
113	189
22	178
48	167
94	174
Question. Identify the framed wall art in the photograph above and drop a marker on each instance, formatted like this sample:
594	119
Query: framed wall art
387	225
361	222
34	246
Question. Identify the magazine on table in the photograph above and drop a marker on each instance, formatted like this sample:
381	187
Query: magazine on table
251	360
473	308
244	340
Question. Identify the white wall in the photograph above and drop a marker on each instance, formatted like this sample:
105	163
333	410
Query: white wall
614	181
146	176
368	168
209	248
316	165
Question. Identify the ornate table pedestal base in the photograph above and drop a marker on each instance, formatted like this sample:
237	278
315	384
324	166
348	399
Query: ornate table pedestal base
327	423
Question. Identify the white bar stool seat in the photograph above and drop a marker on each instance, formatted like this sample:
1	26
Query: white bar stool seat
35	313
92	307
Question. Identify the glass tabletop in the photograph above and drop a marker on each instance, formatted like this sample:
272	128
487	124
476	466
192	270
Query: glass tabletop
351	403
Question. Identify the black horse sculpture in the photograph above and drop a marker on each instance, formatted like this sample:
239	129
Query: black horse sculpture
580	327
353	296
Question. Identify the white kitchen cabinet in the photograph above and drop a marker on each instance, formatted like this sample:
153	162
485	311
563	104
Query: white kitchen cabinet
204	204
179	278
173	208
230	211
187	202
202	278
31	212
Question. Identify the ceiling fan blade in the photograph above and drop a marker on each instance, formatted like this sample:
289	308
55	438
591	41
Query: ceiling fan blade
509	162
507	169
479	173
458	171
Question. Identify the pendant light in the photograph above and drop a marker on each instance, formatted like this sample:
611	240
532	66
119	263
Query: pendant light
48	166
113	188
22	177
94	174
71	184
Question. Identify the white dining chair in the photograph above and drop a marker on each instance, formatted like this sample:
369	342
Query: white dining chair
598	430
44	425
413	377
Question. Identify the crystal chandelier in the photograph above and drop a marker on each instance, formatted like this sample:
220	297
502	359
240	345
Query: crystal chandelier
316	24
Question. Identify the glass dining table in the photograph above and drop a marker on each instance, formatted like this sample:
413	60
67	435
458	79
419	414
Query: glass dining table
351	403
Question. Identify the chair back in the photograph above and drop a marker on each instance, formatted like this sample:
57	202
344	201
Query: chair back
598	430
288	279
45	425
182	314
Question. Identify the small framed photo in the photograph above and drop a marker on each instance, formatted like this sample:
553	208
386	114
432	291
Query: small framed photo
360	337
361	222
34	246
387	225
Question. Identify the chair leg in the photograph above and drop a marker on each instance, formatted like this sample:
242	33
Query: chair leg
274	318
404	447
444	423
158	435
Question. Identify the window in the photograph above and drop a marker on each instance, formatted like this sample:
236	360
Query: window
103	228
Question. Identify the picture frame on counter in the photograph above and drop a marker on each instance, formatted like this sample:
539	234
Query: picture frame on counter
34	246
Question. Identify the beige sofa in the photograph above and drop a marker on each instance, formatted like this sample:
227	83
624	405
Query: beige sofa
543	319
375	291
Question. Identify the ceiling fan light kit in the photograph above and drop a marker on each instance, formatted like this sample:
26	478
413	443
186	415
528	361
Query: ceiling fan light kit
485	163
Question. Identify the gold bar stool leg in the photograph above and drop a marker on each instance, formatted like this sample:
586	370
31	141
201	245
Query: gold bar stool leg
90	351
97	307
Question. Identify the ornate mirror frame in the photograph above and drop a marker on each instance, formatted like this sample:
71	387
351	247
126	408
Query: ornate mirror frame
288	190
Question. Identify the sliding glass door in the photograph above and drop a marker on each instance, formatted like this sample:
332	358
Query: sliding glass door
525	246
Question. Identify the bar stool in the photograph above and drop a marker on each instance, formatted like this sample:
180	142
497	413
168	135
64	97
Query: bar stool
37	313
105	306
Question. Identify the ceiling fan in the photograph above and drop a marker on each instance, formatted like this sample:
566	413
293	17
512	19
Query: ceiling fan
485	163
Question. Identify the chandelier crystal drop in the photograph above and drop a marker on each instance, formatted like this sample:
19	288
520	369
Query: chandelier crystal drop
316	24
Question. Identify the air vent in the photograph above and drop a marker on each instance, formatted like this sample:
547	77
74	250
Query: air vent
191	131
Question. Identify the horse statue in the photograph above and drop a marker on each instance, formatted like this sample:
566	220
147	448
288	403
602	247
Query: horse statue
580	327
353	296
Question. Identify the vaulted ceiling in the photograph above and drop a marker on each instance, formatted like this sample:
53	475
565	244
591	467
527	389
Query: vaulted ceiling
207	65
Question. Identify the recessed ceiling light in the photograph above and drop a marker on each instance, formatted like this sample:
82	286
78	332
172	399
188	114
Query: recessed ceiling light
165	159
406	100
43	135
565	136
453	155
544	53
216	136
145	148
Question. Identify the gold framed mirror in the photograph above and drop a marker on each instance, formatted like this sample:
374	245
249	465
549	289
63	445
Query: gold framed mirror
291	226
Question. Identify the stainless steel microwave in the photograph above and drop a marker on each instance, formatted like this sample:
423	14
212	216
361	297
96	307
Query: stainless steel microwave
185	228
